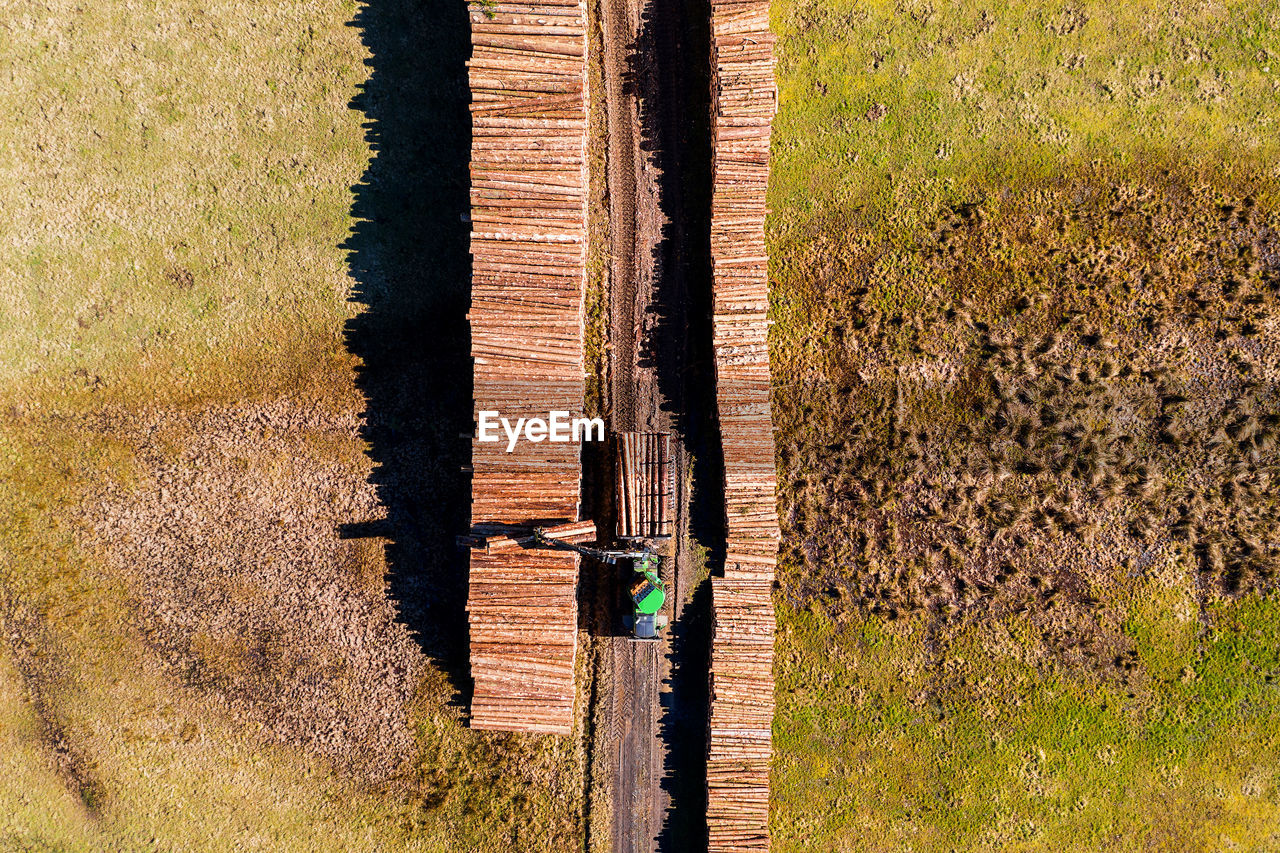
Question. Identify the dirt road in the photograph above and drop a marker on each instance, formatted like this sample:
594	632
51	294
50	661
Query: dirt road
649	243
633	752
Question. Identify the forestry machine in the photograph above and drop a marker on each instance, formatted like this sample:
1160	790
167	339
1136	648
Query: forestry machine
648	593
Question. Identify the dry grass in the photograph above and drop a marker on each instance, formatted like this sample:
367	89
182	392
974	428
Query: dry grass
193	657
1061	380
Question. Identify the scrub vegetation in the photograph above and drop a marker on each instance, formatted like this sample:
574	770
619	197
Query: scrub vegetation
1027	273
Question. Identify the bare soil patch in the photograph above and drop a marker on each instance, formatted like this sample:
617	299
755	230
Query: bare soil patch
229	543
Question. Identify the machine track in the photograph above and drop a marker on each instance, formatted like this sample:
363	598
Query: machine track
648	73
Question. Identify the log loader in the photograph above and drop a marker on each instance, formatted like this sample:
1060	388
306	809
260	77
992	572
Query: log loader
648	593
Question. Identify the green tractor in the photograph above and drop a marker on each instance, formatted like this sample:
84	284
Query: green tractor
648	592
648	595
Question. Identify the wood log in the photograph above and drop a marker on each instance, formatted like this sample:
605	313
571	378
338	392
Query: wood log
739	745
529	221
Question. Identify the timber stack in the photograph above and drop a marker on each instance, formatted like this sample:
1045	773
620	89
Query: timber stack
740	749
528	246
646	485
740	739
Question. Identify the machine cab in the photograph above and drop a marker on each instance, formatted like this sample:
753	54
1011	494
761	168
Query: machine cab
648	595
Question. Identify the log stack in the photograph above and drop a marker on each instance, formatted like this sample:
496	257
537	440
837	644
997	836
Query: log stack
523	614
746	97
646	485
740	747
528	245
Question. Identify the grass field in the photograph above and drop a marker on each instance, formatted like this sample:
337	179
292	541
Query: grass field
1026	263
182	271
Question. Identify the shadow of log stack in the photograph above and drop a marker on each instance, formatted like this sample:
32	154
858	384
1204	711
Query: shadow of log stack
529	219
740	741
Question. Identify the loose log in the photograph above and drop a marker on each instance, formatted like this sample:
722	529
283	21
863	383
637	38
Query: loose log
644	485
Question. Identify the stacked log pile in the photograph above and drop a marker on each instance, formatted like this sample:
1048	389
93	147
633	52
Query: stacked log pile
528	245
741	742
745	101
646	482
522	610
742	704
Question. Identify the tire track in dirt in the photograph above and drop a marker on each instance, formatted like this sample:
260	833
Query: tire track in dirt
650	251
621	21
633	763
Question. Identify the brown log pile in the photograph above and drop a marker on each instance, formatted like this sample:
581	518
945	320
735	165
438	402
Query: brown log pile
741	745
646	483
528	245
742	703
522	611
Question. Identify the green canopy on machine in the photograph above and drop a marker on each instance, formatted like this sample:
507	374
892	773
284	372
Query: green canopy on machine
648	595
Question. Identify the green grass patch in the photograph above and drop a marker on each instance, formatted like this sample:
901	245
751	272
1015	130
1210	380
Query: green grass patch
171	214
978	650
892	111
886	745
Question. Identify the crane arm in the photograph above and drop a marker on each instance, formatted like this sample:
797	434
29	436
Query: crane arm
540	535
